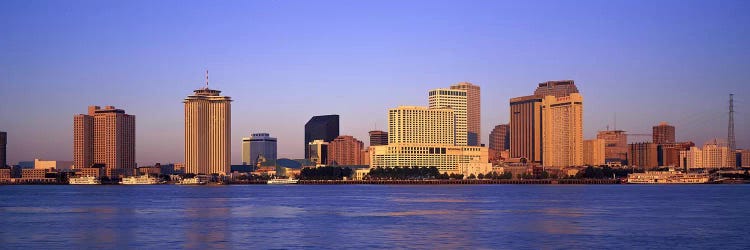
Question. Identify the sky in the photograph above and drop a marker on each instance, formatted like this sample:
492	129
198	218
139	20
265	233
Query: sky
283	62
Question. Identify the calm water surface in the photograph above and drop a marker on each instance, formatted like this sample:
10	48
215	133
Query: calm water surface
376	216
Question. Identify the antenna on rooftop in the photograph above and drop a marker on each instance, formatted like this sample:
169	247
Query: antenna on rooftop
206	79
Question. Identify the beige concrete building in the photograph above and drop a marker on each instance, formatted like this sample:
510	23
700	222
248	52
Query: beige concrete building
447	158
562	133
473	112
716	155
456	100
593	152
526	128
744	156
207	132
615	145
692	158
345	150
413	124
105	137
52	165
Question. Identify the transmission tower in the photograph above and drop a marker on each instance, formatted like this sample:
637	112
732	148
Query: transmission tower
730	135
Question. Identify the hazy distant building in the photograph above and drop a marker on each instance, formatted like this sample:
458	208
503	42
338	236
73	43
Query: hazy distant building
556	88
593	152
345	150
473	112
669	153
317	150
208	124
324	127
53	165
526	128
258	145
644	155
413	124
615	145
454	99
714	154
500	138
3	149
106	137
744	158
562	130
378	138
663	133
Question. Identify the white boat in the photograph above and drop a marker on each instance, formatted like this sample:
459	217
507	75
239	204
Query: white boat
198	180
84	180
283	181
667	177
139	180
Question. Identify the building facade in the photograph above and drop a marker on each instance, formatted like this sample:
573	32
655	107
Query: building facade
744	158
378	138
208	122
3	149
526	128
446	157
323	127
669	153
593	152
562	133
473	112
105	137
259	145
453	99
53	165
317	150
345	150
663	133
500	138
413	124
615	145
556	88
644	155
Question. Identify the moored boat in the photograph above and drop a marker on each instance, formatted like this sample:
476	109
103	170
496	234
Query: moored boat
139	180
84	180
283	181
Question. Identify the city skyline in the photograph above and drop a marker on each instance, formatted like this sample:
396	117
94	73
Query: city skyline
668	79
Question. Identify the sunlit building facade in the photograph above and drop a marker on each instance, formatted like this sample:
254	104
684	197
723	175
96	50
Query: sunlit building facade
207	132
105	137
526	128
473	112
345	150
454	99
593	152
562	131
414	124
615	145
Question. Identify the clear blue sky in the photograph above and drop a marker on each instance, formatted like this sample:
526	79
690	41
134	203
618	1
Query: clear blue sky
285	61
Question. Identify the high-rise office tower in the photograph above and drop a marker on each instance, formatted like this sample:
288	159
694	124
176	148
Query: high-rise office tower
258	146
324	127
345	150
454	99
413	124
378	138
500	138
663	133
593	152
526	128
556	88
105	137
208	125
3	148
473	112
562	130
615	145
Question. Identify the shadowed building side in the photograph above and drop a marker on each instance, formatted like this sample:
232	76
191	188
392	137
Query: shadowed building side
323	127
526	128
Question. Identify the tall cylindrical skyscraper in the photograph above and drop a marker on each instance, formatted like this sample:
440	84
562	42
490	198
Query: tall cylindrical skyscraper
207	132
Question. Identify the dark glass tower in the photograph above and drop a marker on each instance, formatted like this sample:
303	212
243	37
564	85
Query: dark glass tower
323	127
